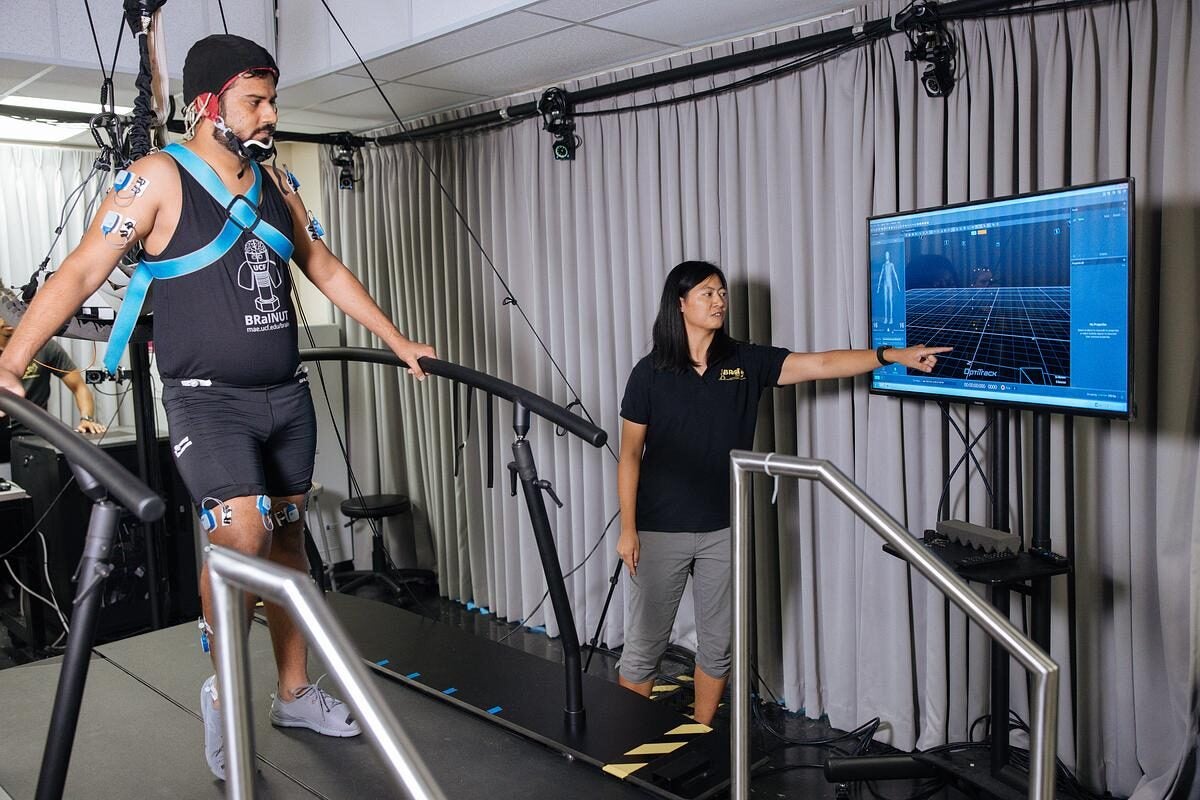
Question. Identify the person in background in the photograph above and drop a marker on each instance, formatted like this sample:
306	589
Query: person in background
53	360
686	406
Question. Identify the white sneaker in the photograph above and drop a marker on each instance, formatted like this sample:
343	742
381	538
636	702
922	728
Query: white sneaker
214	742
316	710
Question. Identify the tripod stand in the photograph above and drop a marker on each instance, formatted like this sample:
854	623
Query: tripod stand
612	587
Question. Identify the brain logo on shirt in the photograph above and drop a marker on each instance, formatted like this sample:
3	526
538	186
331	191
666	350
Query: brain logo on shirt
259	274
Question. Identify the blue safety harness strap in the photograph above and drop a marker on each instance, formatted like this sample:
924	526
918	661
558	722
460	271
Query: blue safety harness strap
244	215
243	211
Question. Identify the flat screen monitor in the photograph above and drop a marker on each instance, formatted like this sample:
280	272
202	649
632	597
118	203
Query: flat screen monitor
1033	292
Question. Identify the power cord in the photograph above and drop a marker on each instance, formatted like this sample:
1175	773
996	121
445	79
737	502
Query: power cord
1069	785
53	601
968	452
574	569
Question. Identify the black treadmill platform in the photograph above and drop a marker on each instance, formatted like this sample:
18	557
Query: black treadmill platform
140	732
140	736
642	742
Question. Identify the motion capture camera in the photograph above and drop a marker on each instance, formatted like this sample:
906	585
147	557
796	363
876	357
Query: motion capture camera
343	158
93	376
565	146
559	121
931	42
938	78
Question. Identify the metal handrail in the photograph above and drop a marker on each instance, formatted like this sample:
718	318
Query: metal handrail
544	407
1044	698
230	573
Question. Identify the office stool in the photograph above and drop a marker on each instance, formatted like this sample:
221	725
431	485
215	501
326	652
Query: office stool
397	584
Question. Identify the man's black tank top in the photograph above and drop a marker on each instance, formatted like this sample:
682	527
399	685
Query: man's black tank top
233	321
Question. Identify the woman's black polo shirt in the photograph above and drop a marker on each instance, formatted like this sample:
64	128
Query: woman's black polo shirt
693	422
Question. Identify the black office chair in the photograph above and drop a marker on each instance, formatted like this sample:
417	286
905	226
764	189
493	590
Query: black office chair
393	585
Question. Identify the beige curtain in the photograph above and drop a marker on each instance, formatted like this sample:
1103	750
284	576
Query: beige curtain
774	182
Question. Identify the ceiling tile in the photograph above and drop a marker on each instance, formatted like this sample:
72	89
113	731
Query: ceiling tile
320	90
28	28
437	16
374	27
14	72
67	83
582	10
316	122
552	58
691	22
75	37
300	22
409	101
183	25
463	43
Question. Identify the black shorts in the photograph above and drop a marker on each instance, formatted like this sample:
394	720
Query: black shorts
242	442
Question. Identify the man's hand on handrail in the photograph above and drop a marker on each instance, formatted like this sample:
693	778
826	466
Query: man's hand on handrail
12	382
411	353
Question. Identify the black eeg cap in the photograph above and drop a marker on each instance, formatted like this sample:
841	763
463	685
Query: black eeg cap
216	60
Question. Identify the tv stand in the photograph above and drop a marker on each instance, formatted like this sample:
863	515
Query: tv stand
1024	575
1029	574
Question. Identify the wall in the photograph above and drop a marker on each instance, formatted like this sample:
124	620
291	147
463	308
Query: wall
303	161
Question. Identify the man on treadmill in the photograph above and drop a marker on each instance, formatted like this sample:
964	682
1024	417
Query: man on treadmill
217	232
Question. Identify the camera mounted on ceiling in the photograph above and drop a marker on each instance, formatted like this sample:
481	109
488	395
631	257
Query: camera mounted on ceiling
558	119
345	154
929	41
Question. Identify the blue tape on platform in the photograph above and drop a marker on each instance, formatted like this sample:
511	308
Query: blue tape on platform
412	676
471	606
495	710
537	628
451	690
383	663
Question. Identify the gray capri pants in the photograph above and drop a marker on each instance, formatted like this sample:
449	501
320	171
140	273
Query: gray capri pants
664	561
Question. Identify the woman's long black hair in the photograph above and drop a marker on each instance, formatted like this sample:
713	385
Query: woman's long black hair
670	352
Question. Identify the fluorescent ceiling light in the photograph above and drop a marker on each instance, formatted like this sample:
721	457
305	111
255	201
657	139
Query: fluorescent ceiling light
46	132
58	105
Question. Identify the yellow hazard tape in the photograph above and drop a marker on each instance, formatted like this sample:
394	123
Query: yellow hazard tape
655	748
622	771
688	730
664	688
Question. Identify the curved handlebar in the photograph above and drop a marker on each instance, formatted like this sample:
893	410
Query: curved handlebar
547	409
128	490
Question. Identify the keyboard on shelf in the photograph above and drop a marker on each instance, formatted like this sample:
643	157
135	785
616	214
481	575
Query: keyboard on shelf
981	559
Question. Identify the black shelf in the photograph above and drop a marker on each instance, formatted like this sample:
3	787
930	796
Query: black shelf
1012	572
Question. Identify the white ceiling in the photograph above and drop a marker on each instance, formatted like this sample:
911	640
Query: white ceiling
429	55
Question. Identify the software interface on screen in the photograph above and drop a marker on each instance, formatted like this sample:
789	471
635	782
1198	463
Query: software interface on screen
1031	292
